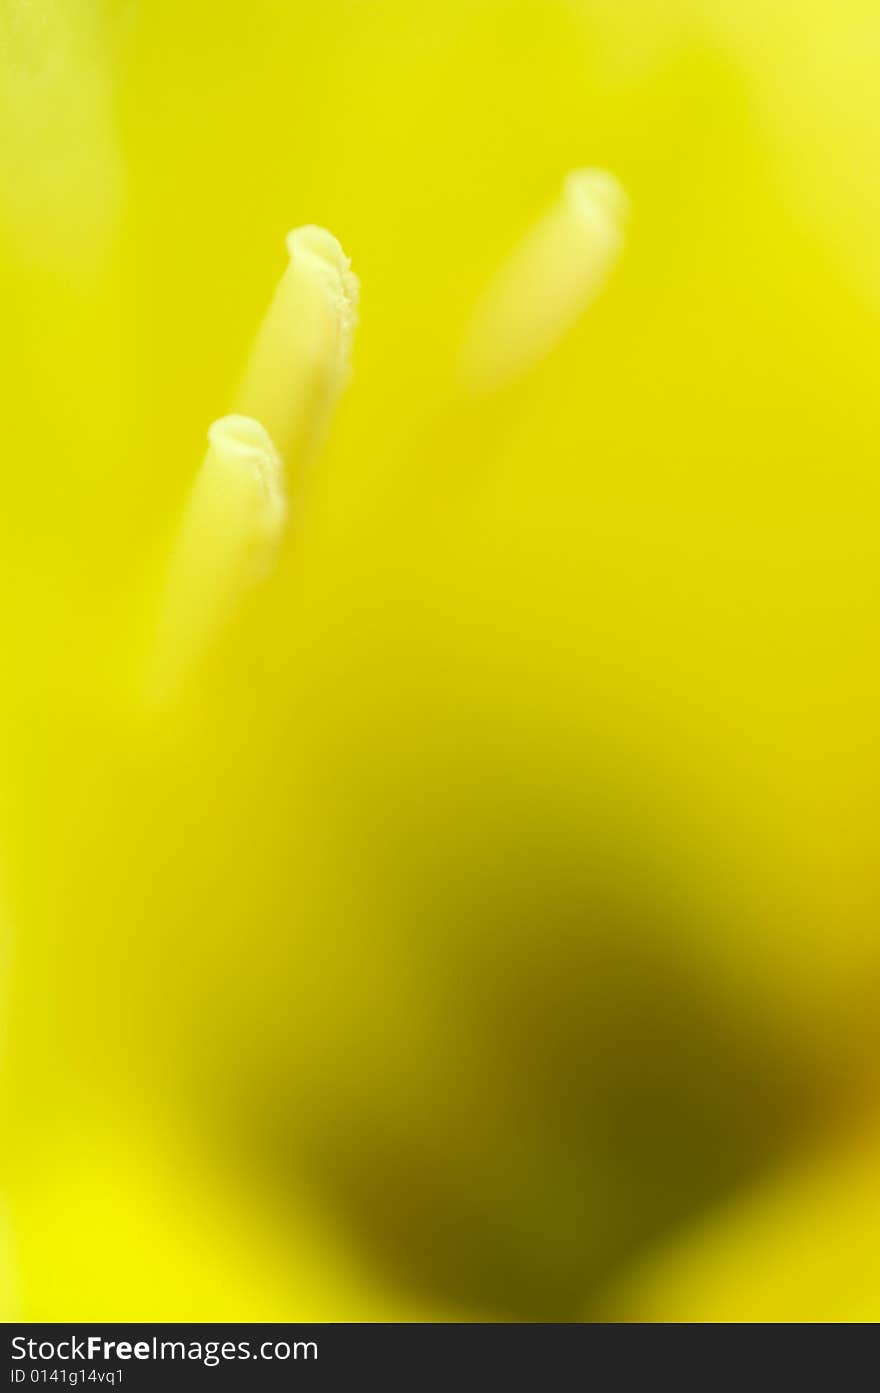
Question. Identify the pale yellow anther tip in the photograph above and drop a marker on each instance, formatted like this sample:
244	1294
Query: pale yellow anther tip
242	444
316	242
595	192
324	253
240	436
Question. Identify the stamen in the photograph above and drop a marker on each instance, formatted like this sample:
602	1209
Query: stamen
228	541
300	361
233	523
550	279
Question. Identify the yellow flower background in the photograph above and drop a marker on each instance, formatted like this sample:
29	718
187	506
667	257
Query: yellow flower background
487	926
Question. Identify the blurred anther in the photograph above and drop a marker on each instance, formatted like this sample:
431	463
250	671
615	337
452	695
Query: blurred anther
546	284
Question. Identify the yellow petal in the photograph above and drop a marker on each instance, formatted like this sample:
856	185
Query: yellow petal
802	1248
60	165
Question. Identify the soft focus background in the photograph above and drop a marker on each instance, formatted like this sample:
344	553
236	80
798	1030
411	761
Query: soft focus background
490	931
